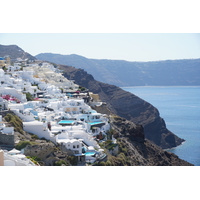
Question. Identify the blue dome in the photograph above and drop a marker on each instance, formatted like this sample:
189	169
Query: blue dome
2	58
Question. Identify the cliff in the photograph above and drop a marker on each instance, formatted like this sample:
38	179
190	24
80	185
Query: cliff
121	73
128	106
135	150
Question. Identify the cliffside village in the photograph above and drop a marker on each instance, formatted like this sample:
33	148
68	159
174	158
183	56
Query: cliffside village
57	111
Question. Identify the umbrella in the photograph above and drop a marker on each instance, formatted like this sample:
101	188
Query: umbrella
14	151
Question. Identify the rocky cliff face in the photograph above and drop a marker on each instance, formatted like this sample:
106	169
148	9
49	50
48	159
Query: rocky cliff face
138	150
124	73
128	106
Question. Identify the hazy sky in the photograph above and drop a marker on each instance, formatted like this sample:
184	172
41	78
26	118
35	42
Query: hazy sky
121	46
108	29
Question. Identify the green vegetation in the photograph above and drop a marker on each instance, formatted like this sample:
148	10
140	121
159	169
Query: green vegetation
4	68
34	137
16	122
119	160
122	148
81	88
108	144
23	144
72	160
34	159
110	133
29	97
61	162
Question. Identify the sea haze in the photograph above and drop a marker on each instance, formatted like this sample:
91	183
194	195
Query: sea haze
179	106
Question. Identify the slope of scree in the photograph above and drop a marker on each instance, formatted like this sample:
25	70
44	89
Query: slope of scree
135	150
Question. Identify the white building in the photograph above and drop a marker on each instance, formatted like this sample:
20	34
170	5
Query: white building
44	116
14	158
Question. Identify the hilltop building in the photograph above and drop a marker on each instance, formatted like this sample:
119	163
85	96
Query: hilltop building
5	61
2	62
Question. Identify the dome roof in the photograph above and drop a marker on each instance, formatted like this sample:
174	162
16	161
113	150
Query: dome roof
2	58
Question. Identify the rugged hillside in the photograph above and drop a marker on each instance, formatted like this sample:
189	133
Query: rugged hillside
135	150
132	148
127	105
123	73
14	52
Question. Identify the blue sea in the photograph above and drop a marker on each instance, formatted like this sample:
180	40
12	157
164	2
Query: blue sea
179	106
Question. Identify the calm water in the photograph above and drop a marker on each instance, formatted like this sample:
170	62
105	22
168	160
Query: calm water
179	106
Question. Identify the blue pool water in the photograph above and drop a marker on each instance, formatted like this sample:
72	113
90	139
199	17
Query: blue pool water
65	122
93	123
89	153
180	108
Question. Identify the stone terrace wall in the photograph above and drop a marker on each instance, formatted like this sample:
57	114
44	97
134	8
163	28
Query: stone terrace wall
6	139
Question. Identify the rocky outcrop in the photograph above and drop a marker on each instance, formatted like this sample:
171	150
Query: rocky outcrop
148	154
138	150
47	152
41	150
127	105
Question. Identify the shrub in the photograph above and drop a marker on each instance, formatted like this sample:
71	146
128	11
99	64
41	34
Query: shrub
23	144
60	162
81	88
34	159
108	163
16	122
102	163
29	97
34	137
72	160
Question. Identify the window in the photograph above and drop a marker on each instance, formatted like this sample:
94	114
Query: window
74	146
77	146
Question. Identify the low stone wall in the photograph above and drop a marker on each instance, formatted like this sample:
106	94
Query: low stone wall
7	139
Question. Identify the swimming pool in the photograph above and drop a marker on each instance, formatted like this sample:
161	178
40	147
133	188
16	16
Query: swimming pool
95	123
66	122
89	153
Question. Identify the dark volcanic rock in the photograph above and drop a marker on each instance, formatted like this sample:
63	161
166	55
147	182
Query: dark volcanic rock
138	150
125	73
127	105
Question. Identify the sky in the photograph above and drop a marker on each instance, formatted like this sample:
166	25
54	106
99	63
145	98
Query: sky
116	46
108	29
